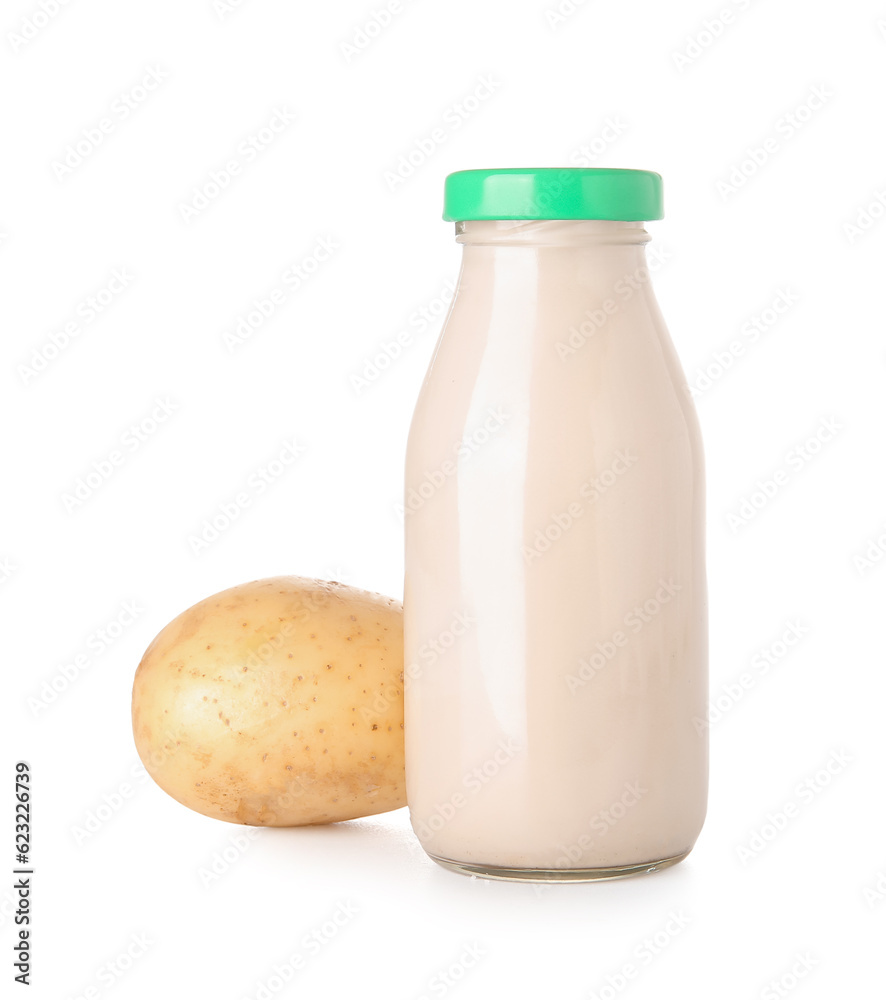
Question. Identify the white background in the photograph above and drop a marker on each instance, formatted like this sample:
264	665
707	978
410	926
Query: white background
609	84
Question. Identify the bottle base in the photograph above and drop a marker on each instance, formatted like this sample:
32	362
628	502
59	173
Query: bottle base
557	874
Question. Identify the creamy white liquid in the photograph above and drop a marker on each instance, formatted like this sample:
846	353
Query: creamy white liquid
555	596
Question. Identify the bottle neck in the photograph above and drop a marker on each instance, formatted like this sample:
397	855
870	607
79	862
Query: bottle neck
551	233
552	265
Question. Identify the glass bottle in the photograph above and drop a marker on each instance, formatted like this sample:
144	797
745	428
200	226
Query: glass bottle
555	593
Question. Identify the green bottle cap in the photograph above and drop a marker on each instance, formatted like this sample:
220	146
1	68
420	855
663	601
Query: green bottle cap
553	193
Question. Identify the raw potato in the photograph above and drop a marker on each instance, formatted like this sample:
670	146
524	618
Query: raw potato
277	703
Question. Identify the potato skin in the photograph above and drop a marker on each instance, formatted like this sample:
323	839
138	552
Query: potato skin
277	703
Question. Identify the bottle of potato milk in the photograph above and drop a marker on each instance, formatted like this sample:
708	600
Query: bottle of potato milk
555	594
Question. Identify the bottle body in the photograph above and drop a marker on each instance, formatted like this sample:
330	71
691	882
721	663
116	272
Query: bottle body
555	597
